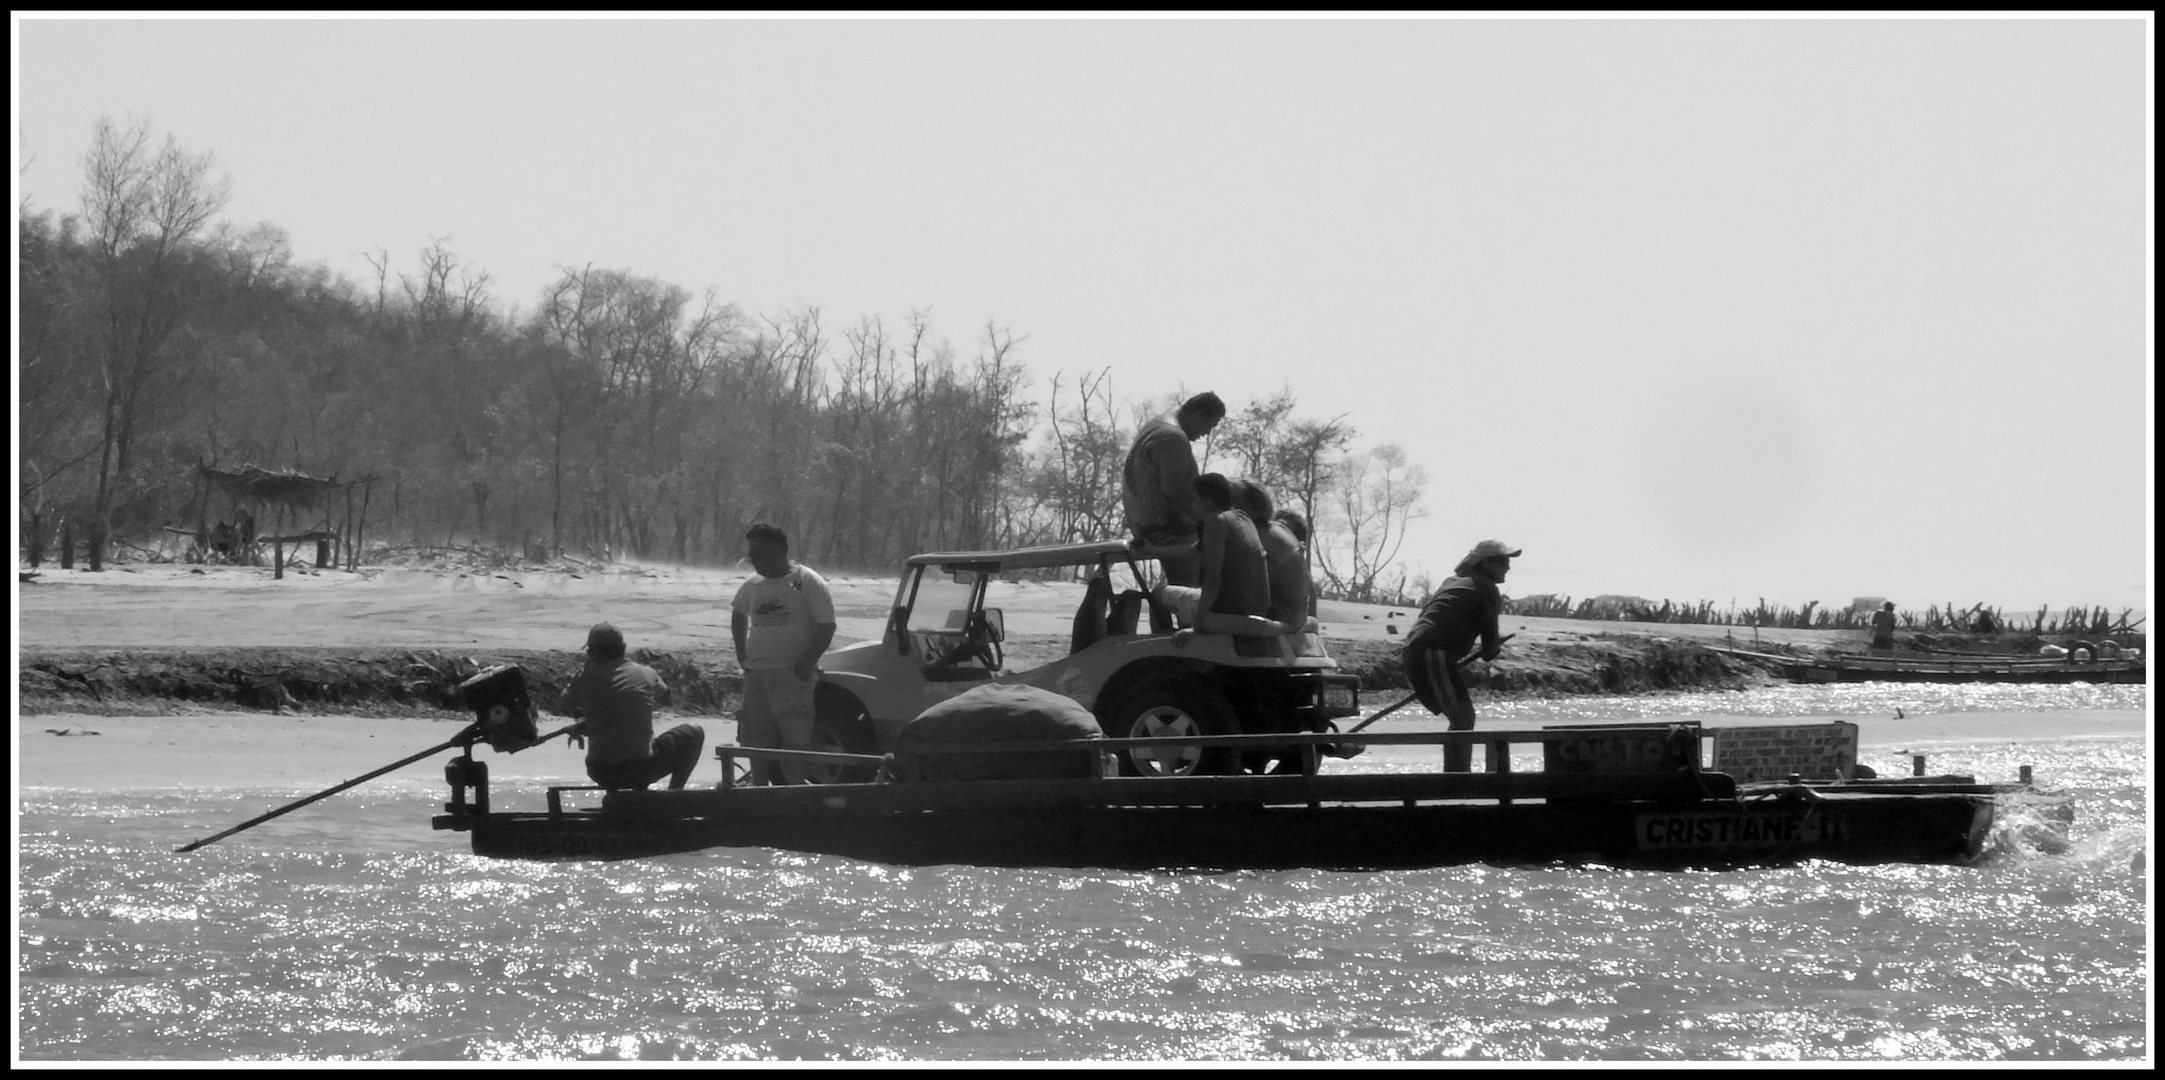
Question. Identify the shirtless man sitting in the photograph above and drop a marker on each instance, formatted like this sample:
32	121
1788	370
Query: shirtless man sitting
1235	594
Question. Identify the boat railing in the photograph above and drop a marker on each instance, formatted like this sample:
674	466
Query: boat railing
1632	749
1290	789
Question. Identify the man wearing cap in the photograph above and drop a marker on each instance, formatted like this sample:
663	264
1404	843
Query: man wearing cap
613	699
1466	606
1883	627
1158	488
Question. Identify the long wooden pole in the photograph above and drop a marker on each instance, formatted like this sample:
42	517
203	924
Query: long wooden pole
463	736
471	732
1408	699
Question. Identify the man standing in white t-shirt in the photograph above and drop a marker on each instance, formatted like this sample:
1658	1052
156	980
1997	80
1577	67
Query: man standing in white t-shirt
781	621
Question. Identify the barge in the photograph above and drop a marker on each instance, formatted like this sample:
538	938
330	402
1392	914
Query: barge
1619	795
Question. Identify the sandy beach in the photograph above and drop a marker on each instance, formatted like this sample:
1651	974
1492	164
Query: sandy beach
131	638
166	605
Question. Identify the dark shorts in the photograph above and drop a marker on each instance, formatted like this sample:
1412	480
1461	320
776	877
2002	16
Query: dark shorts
675	755
1439	684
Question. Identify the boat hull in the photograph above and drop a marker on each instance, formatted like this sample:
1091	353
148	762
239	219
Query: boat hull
1855	828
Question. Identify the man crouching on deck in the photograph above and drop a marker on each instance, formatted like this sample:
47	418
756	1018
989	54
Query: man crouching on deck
613	699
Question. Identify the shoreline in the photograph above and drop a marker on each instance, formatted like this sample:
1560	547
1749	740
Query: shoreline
707	682
147	639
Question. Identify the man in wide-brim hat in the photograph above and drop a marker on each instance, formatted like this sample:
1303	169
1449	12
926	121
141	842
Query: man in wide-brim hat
1465	607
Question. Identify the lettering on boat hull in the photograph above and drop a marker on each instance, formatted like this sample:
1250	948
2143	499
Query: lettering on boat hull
1750	829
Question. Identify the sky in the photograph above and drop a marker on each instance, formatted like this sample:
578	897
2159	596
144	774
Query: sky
1803	309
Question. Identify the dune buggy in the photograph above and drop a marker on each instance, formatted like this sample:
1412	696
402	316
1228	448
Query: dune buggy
1124	662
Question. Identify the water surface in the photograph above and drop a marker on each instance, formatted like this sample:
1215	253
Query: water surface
352	931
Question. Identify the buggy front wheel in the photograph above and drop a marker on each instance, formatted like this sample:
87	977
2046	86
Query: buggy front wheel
1174	710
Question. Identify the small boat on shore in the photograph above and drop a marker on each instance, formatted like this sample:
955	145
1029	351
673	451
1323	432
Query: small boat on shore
1944	668
1618	795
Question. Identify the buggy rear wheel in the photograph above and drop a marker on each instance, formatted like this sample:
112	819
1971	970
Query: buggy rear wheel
840	725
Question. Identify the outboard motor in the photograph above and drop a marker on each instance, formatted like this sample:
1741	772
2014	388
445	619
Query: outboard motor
498	698
503	718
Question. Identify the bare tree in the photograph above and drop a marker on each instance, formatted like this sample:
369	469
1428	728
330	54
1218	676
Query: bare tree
1375	497
1078	477
143	207
1251	437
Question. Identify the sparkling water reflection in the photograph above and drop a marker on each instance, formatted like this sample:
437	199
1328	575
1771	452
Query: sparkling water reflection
1830	699
354	932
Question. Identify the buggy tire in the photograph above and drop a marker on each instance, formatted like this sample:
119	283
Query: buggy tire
1168	708
841	725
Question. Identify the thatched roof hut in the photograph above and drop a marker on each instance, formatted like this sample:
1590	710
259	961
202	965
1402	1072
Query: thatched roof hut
294	490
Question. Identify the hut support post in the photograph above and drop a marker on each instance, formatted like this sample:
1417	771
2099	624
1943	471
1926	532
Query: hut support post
360	525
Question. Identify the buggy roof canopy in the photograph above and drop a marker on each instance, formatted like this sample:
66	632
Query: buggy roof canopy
993	562
286	487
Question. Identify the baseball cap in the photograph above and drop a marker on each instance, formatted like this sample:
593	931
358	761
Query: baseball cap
1488	549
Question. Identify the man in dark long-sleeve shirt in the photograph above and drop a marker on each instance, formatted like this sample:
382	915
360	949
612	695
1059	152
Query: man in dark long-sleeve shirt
1465	607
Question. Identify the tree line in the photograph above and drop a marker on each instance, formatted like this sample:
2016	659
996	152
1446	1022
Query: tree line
621	415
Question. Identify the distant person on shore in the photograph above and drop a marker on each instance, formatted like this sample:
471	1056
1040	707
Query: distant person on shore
613	700
1234	597
1465	607
1158	492
1281	554
1883	627
781	621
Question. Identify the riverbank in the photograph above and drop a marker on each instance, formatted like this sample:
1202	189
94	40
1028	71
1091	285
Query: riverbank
145	681
148	638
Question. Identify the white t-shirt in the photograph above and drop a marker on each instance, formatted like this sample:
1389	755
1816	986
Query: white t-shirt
779	614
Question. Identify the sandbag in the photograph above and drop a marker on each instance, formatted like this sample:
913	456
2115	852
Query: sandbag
999	713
